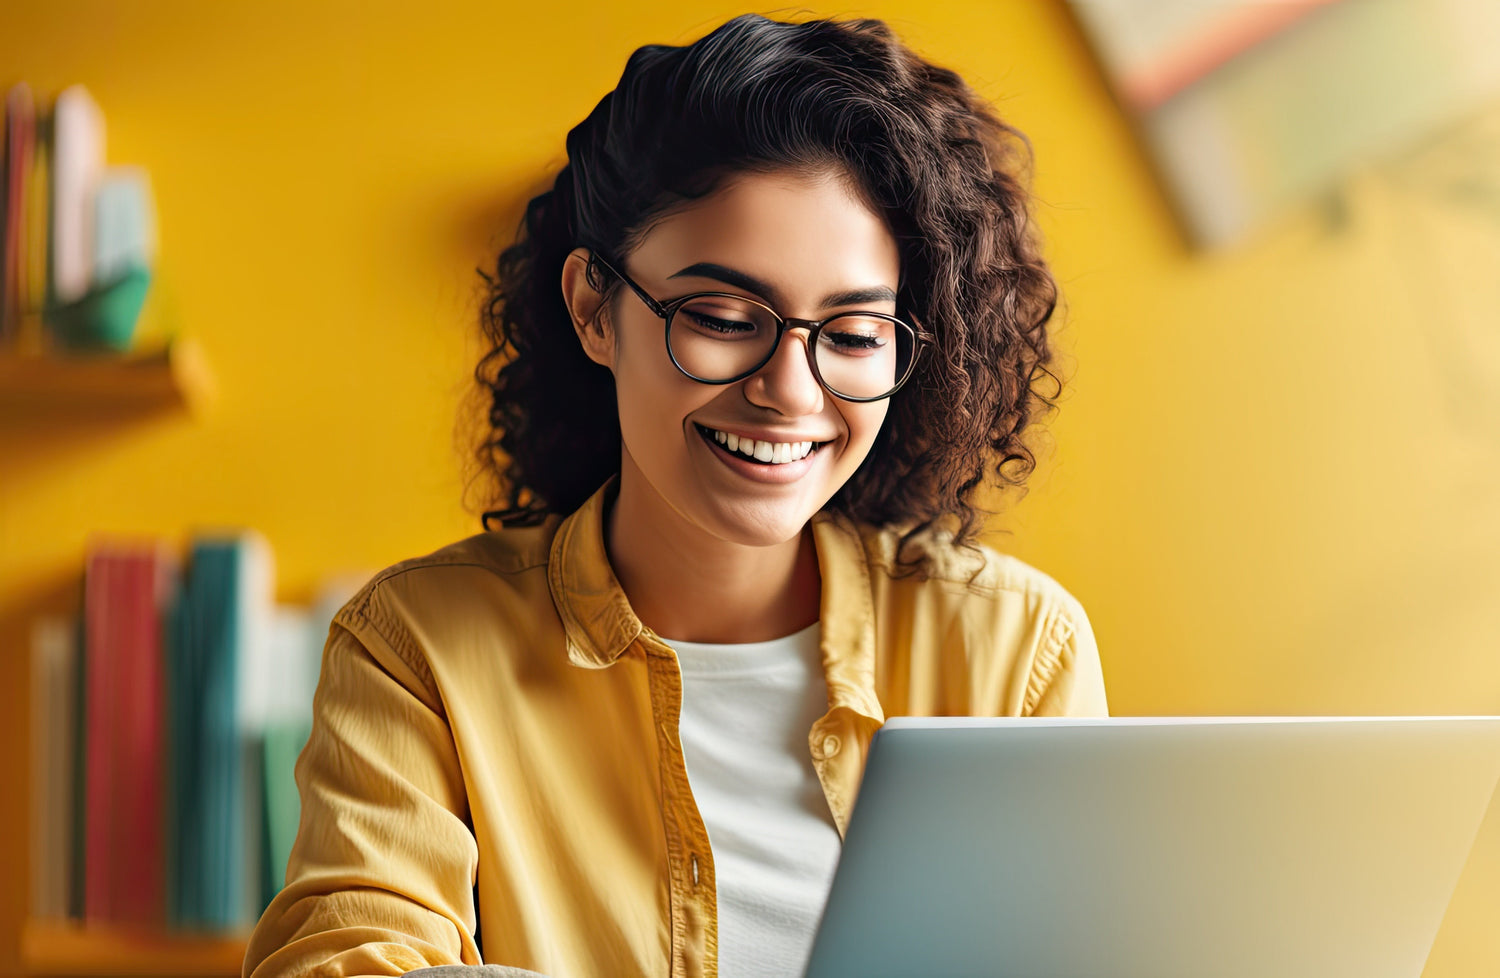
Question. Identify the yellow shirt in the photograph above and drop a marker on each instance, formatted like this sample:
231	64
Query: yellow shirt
494	748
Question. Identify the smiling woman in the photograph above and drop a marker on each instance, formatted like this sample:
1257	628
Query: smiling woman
679	493
777	320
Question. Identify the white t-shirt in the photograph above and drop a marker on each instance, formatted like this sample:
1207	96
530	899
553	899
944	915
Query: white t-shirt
746	714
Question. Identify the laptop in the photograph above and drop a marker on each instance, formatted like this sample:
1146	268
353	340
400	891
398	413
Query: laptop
1234	847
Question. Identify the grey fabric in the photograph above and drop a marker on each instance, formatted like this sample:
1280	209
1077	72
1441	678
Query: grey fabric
472	971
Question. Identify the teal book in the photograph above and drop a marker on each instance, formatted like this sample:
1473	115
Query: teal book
222	614
283	743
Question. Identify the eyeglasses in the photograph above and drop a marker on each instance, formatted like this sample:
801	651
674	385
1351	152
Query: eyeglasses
719	338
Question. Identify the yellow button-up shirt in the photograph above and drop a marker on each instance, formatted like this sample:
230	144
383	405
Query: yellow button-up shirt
494	752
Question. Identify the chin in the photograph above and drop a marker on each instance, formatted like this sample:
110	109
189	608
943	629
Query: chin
759	526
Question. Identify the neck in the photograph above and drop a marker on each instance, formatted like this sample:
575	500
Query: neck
687	584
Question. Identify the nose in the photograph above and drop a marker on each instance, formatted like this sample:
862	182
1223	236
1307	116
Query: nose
786	383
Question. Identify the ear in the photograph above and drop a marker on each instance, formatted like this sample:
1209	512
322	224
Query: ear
586	307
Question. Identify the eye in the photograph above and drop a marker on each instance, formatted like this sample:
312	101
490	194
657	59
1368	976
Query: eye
854	337
855	341
716	324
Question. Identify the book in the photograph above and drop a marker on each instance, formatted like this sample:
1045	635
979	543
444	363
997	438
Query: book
124	224
215	781
54	721
285	722
297	658
127	590
77	165
36	235
19	133
78	826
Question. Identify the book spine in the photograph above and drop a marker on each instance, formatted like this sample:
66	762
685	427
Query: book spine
54	664
140	866
101	624
78	772
124	846
19	132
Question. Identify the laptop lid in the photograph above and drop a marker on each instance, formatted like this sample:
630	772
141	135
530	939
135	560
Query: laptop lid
1156	848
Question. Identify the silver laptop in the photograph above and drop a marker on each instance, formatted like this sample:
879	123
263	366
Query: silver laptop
1156	848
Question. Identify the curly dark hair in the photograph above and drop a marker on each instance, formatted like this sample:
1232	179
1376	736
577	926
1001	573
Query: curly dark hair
758	95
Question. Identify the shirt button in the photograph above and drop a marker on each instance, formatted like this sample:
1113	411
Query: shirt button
831	745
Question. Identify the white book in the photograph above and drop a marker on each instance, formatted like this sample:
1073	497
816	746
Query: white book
77	164
54	715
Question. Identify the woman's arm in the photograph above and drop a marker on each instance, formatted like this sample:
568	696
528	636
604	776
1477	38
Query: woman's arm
473	971
382	873
1066	676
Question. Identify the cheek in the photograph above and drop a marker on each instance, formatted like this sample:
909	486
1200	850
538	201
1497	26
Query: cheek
643	415
653	398
863	422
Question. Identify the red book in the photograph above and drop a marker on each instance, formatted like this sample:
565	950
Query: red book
126	589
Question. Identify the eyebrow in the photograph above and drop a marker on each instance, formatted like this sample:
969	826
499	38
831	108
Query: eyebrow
739	279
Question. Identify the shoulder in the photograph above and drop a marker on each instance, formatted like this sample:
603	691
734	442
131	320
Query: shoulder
931	559
487	581
500	553
1021	639
979	583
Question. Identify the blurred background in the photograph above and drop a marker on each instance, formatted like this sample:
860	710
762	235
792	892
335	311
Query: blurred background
1273	482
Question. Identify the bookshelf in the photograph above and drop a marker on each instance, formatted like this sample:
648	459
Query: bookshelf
37	390
57	948
176	375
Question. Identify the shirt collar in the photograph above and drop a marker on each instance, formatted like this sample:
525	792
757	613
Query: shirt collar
848	615
600	624
597	618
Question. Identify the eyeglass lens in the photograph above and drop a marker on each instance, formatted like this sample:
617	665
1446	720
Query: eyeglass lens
716	338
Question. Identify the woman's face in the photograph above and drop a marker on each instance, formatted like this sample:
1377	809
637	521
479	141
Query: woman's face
801	239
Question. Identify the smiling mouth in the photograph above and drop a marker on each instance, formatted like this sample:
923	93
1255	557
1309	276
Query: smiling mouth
759	452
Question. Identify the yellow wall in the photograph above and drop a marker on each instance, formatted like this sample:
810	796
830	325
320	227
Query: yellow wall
1269	489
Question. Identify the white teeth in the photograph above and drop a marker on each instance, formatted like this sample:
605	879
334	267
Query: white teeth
774	453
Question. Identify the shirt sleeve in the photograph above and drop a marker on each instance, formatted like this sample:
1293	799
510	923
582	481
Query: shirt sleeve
381	875
1067	678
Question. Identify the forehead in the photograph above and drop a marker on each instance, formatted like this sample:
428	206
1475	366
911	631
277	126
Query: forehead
804	234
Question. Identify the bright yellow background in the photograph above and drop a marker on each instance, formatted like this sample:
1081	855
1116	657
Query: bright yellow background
1276	485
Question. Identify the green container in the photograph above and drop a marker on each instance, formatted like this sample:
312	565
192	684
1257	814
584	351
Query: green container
105	318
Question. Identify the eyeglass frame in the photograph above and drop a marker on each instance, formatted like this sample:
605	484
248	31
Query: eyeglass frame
666	310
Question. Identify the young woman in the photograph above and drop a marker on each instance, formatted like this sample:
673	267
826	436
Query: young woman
777	321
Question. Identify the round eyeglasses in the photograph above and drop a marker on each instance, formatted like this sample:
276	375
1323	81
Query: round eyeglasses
720	337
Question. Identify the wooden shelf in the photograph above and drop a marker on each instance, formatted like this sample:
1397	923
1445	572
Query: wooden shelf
37	386
69	948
